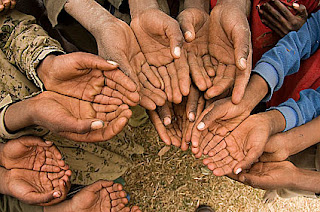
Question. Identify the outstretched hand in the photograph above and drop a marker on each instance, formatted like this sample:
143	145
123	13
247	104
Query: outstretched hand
230	46
194	24
88	77
161	42
31	153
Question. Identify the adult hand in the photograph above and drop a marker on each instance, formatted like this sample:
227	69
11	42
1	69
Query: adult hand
280	19
219	118
273	175
32	187
88	77
31	153
100	196
245	144
76	119
161	40
194	24
230	45
113	42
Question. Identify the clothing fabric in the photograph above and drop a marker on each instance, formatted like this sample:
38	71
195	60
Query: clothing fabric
21	41
10	204
284	59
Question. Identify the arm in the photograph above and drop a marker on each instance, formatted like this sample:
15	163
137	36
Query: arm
284	58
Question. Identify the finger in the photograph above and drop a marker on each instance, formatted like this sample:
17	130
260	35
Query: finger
204	73
208	65
187	28
226	169
117	91
192	103
120	78
196	74
6	4
152	78
176	94
13	4
301	10
155	71
175	36
49	168
38	198
241	37
54	153
30	141
167	82
161	129
165	114
252	155
213	145
240	84
182	68
119	201
1	6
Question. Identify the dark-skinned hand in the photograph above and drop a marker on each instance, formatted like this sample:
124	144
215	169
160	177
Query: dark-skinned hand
194	24
88	77
280	19
161	42
113	44
230	48
6	5
32	153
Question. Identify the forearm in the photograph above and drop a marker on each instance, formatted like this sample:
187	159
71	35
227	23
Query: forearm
200	4
307	180
256	90
304	136
65	206
138	6
89	14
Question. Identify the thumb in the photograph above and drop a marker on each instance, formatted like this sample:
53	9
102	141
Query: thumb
301	10
40	198
34	141
176	39
80	126
251	157
187	27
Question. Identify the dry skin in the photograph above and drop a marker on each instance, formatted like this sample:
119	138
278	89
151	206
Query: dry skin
176	181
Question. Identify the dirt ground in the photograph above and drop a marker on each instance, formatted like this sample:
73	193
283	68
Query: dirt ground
177	182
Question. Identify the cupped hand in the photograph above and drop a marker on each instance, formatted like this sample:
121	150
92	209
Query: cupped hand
32	153
194	24
33	187
161	42
117	42
219	118
230	48
6	5
78	120
241	148
88	77
281	18
273	175
276	149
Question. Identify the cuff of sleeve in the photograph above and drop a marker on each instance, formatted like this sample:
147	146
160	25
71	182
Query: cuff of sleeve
37	131
38	58
269	74
54	8
290	116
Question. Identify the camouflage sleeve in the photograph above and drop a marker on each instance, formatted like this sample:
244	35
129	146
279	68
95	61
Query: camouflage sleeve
25	43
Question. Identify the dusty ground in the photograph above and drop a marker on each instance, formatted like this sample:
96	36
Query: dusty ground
176	181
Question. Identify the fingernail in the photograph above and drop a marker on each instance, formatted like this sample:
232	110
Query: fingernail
201	126
188	34
97	125
243	63
177	51
192	116
48	142
112	63
167	121
295	5
56	194
238	170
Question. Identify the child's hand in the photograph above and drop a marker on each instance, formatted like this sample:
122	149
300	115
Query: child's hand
283	18
6	5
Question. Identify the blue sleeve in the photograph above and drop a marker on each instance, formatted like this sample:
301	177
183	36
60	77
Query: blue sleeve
302	111
284	58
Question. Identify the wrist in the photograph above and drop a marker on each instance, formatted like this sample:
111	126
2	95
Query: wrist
275	121
306	180
65	206
44	68
18	116
139	6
